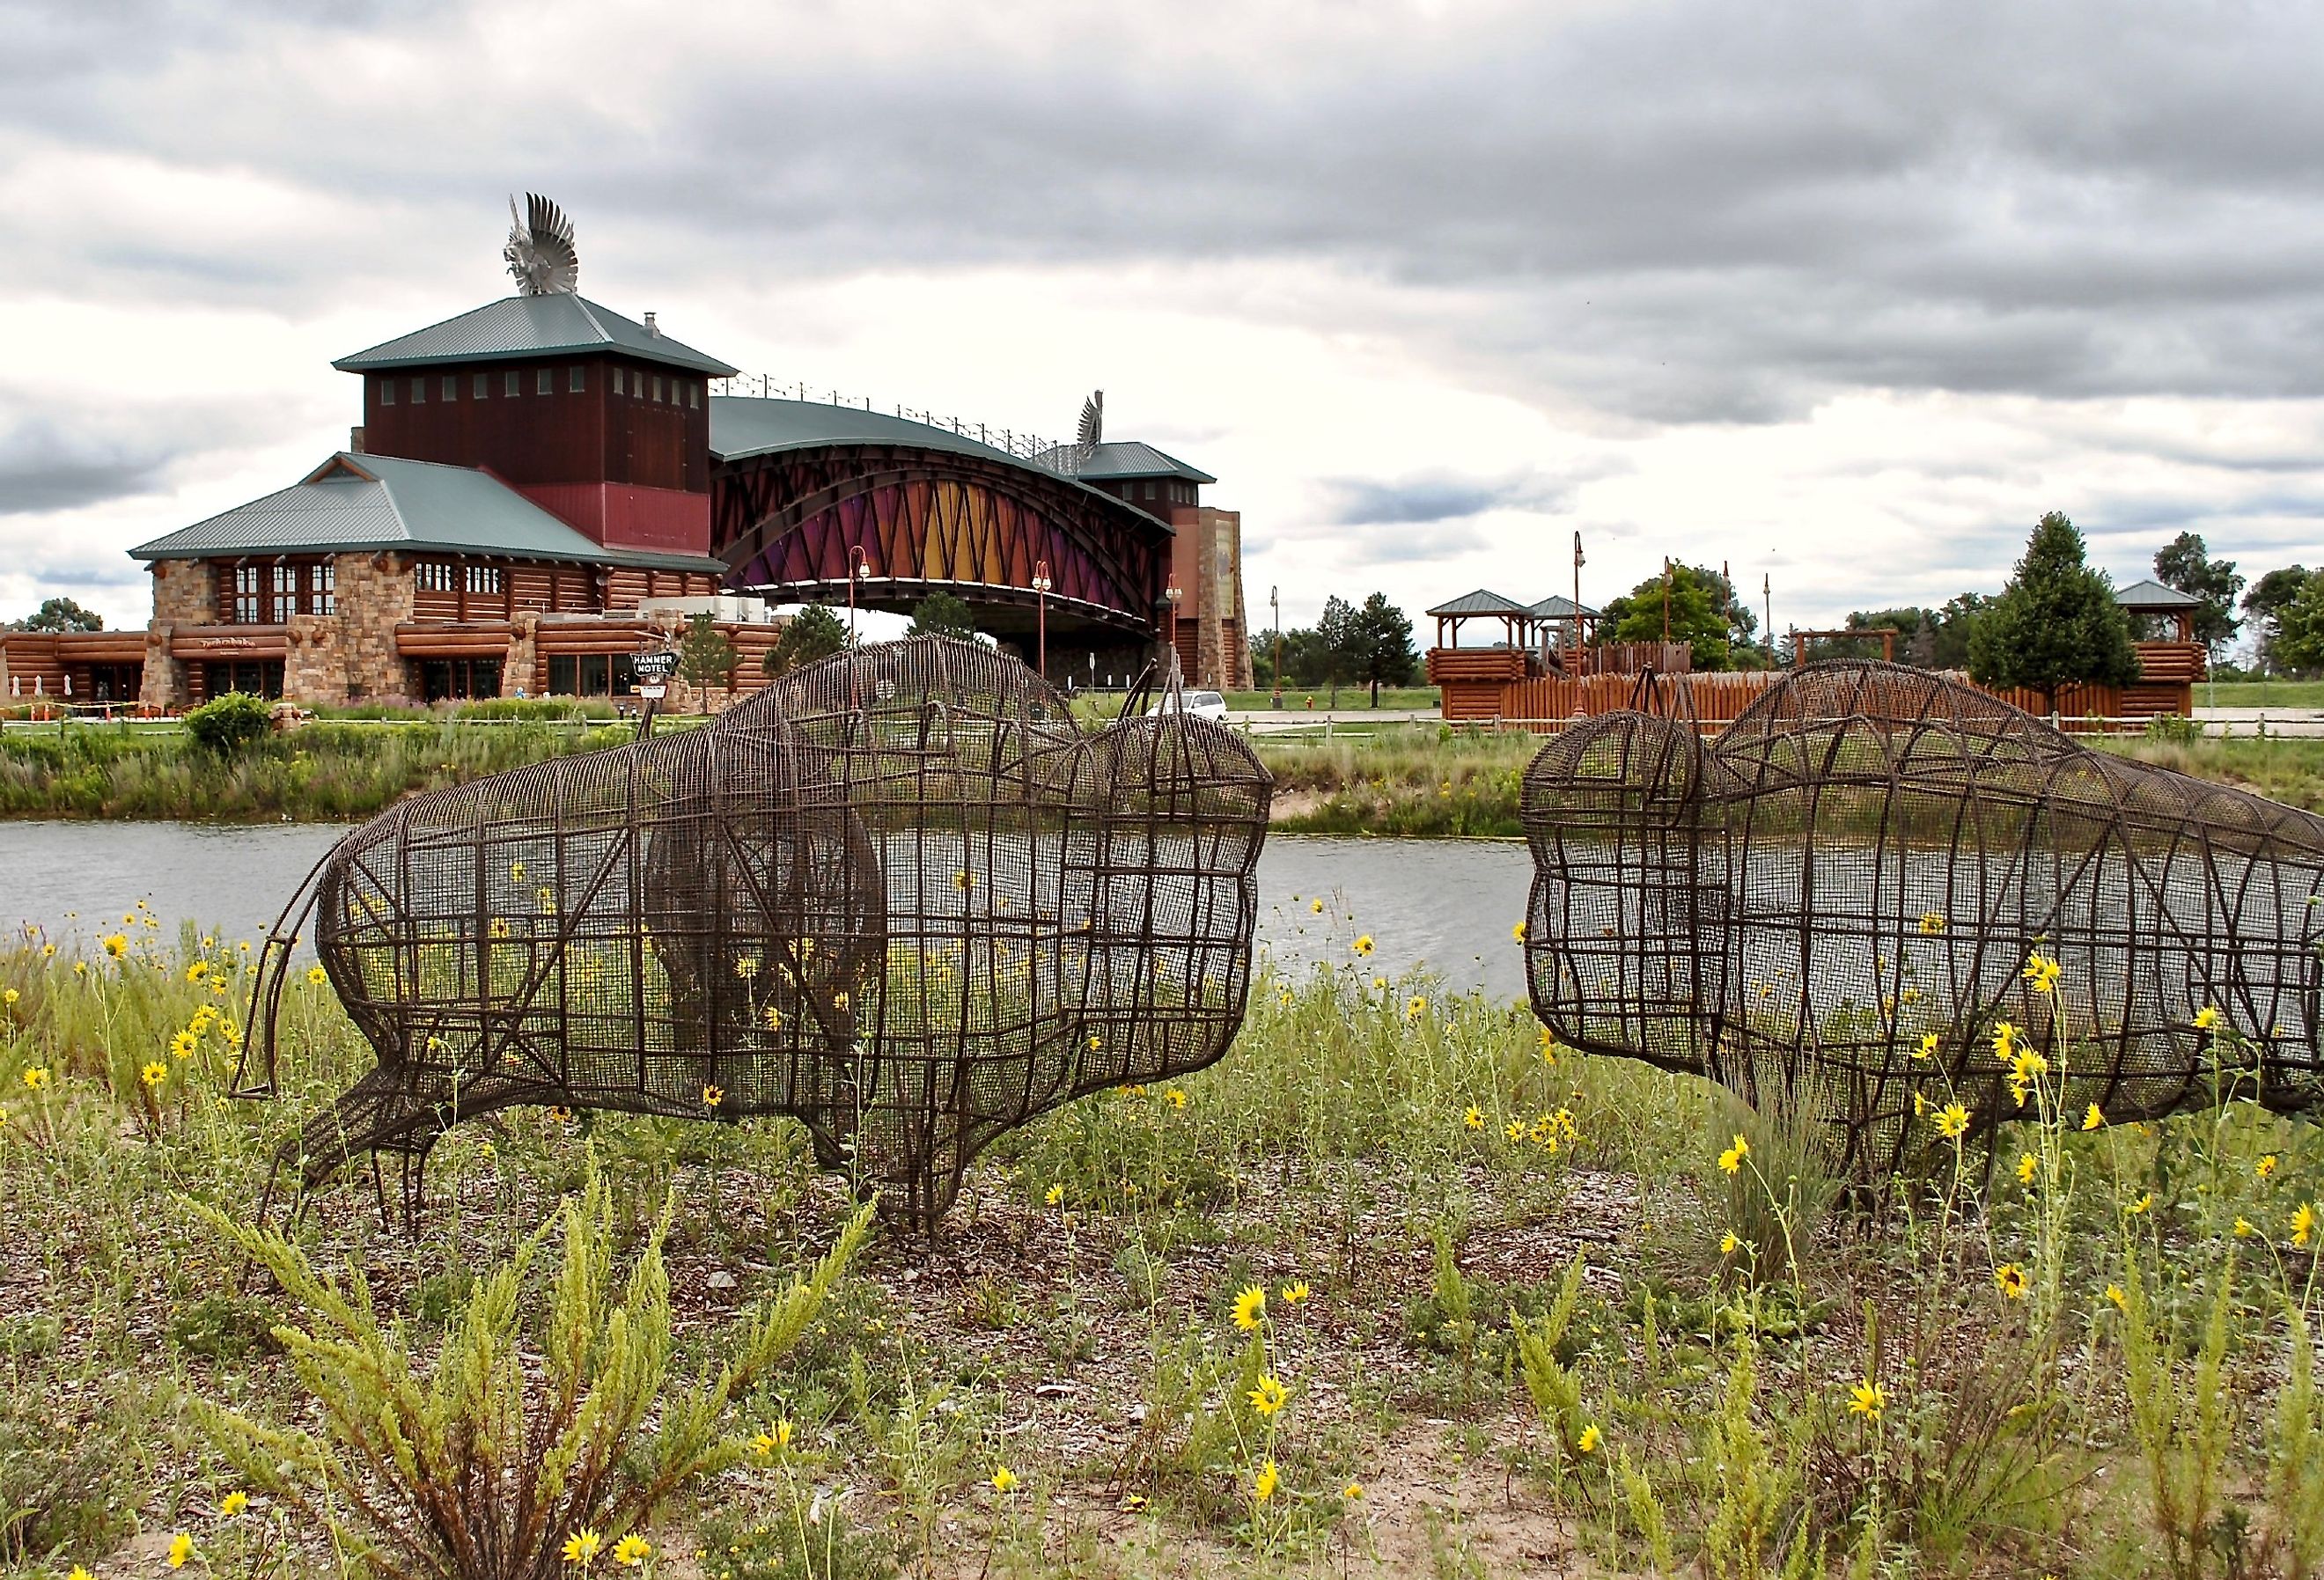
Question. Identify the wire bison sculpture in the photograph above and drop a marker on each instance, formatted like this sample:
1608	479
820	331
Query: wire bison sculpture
899	895
1832	907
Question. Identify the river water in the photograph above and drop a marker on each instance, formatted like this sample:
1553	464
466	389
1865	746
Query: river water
1446	906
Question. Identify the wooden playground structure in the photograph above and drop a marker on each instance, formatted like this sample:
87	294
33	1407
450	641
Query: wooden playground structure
1548	670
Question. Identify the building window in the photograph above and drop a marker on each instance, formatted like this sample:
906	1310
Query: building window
508	383
327	588
256	678
420	391
617	381
543	381
657	386
387	392
575	382
694	396
1150	488
286	591
480	386
458	680
246	595
435	576
484	579
451	386
591	675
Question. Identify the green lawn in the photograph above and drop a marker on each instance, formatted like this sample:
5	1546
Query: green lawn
2260	694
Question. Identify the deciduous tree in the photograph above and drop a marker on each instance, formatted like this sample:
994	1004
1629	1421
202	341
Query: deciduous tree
2185	564
1700	613
59	614
2269	596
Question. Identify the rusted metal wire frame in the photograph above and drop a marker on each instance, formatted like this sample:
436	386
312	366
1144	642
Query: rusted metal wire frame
777	523
899	895
1868	857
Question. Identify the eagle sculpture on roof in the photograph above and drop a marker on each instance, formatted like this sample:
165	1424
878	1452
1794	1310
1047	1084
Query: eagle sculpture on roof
540	251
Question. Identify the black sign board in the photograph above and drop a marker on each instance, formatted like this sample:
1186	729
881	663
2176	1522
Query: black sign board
654	666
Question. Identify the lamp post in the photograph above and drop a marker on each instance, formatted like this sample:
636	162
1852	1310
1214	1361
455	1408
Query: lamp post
1041	584
858	567
1171	594
1275	598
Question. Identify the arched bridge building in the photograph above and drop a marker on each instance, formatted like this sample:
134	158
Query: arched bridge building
803	492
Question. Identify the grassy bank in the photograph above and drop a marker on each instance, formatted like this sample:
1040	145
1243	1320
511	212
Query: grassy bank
1422	781
2302	694
322	772
1521	1312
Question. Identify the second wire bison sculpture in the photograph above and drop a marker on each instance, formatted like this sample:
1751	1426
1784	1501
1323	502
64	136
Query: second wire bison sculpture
1831	907
900	895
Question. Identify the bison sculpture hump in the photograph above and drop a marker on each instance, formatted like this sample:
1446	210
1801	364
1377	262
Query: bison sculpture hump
899	895
1831	906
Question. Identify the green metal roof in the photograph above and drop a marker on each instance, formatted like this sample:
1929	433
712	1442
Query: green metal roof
1558	607
355	504
743	426
2153	595
1122	458
1480	602
532	325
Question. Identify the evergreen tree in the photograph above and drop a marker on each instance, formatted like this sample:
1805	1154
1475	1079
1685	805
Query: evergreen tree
2056	622
814	634
1338	646
705	658
2185	564
942	615
1384	653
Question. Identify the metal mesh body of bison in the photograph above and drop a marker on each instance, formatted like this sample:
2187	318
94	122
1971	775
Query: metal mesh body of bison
1831	908
899	895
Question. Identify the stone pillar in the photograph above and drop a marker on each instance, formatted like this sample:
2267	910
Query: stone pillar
184	594
314	661
517	670
375	593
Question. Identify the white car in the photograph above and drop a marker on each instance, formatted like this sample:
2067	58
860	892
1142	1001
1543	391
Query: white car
1207	704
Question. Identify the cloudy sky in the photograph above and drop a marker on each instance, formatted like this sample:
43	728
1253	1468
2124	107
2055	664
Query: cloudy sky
1842	295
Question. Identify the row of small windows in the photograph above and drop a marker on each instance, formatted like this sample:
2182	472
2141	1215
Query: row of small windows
436	575
641	386
268	595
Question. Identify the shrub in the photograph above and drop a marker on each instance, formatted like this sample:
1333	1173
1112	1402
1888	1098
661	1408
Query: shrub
229	722
485	1466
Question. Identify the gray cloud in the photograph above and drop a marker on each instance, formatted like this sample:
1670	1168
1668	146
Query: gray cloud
1438	496
1679	211
61	456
